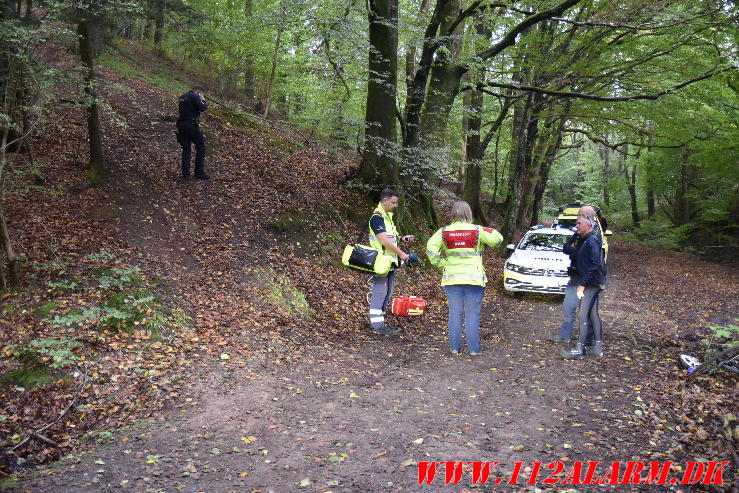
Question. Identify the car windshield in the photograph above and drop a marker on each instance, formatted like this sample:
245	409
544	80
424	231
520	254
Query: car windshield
543	242
570	223
566	223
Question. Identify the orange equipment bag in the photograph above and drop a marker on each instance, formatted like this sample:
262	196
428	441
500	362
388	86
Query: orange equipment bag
408	306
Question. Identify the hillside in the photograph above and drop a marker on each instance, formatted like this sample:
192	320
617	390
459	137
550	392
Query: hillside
238	356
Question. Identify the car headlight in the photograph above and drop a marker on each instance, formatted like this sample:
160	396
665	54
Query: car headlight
514	267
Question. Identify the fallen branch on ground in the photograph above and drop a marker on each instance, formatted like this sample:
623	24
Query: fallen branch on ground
37	433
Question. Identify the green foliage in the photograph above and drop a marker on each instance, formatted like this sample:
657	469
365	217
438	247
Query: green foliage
730	332
118	278
44	310
64	285
660	233
124	300
133	62
282	293
31	377
54	353
289	223
54	265
330	243
723	336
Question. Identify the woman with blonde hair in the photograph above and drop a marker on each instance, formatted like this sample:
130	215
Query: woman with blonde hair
464	279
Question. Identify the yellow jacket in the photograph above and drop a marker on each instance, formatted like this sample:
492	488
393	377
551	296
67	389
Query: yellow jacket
462	244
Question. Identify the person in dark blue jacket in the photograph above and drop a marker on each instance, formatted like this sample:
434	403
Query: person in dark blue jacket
592	273
571	301
188	132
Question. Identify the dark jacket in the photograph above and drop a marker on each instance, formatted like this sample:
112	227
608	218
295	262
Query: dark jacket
589	261
191	104
570	249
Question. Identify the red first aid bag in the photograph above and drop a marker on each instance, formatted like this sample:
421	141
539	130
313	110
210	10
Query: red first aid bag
408	306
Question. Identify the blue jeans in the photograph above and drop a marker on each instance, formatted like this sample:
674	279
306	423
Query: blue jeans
569	312
569	308
464	299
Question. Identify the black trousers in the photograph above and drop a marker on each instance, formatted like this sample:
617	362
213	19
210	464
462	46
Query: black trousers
190	134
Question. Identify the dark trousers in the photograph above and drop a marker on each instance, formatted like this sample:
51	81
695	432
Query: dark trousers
190	134
591	328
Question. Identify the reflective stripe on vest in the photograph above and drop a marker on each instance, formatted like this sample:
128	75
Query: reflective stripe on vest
394	239
391	233
452	253
464	277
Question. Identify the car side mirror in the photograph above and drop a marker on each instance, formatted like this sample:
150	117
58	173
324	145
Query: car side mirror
608	232
511	246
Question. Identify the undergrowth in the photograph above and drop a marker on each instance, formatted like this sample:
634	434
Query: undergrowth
283	294
102	298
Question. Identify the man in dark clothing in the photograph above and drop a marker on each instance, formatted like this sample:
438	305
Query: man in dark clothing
592	280
188	132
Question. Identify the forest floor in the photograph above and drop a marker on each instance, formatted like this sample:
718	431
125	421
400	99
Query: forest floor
264	391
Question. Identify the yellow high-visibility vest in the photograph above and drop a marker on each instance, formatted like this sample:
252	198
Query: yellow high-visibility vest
462	245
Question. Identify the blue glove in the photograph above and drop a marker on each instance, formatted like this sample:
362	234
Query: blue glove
413	258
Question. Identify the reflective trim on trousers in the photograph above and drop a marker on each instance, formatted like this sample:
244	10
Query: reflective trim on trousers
379	319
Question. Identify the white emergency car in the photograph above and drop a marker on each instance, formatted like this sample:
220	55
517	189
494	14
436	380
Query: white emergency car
538	264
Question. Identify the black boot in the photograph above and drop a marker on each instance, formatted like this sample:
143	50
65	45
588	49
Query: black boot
575	352
595	350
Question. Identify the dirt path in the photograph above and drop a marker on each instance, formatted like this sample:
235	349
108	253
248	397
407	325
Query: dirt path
351	414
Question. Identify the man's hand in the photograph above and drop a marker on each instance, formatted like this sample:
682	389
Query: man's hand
580	292
408	238
404	256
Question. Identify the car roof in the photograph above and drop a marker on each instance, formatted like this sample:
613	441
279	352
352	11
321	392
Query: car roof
573	209
550	231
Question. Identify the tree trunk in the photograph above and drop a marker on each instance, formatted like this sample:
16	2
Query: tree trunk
443	88
96	170
379	158
605	154
496	160
249	87
473	156
632	194
517	167
529	140
13	262
410	55
550	154
146	30
683	206
159	21
651	209
631	184
270	82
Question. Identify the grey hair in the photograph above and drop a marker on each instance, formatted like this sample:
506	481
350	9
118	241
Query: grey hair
462	212
589	219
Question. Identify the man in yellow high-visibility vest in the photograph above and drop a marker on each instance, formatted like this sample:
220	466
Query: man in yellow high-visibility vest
384	237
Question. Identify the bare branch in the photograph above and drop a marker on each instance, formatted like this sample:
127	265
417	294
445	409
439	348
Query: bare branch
510	38
470	11
594	97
